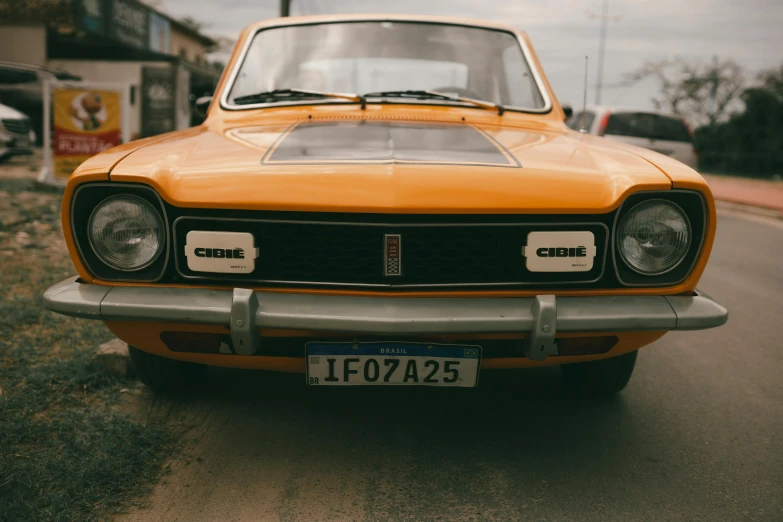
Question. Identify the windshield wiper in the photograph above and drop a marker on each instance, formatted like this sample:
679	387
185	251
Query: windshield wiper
294	94
434	95
301	94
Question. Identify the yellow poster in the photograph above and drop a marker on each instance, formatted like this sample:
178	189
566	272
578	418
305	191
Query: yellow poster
86	122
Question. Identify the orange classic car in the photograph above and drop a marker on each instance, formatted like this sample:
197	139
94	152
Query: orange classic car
386	200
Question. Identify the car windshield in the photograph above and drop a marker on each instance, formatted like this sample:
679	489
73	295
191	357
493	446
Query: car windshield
380	57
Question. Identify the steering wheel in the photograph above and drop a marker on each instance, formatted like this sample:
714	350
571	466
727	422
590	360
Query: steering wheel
459	91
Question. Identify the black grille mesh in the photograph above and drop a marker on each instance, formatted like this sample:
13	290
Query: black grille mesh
328	253
353	254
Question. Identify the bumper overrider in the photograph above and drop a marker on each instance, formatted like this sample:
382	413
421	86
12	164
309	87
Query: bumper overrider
244	311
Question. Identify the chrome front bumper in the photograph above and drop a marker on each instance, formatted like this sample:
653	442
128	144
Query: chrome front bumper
244	311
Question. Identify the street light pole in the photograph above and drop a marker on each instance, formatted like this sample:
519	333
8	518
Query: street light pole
601	50
285	7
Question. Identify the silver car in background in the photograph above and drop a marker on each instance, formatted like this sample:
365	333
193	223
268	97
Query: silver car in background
21	87
15	133
664	133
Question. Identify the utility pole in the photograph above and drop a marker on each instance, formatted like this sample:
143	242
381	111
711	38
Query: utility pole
285	7
601	51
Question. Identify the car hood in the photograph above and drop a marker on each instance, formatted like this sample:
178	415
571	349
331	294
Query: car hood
390	167
7	112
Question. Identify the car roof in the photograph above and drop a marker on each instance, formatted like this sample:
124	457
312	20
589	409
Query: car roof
32	67
315	19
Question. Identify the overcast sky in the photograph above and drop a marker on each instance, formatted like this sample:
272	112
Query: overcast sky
748	31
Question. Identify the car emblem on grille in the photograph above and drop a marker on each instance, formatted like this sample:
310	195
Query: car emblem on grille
392	255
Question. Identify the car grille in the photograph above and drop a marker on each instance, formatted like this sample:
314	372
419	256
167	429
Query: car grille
443	254
17	126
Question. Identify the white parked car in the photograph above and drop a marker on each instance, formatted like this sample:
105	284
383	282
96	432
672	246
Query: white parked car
664	133
15	133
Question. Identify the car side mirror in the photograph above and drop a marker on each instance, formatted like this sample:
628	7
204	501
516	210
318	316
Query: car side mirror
202	105
568	111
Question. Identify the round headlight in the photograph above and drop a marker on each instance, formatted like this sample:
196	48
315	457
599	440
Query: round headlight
654	237
126	232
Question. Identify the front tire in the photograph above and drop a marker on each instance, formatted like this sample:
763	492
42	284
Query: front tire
599	378
165	375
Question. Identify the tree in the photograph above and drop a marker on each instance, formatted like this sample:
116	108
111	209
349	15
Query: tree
772	81
223	44
702	93
751	141
192	23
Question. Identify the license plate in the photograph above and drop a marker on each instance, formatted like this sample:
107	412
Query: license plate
392	364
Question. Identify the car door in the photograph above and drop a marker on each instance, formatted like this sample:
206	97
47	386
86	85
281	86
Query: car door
672	137
635	128
21	89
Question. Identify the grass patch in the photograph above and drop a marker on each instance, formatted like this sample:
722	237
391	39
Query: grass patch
65	454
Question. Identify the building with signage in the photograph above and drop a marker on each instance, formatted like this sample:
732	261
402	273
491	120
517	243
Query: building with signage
123	41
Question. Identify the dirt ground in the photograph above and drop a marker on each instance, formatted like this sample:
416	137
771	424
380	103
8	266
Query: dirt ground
69	450
29	219
21	166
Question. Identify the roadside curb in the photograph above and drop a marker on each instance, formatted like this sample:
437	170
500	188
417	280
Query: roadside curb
754	196
733	206
748	203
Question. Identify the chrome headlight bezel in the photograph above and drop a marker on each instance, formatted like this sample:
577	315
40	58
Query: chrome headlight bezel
694	206
85	200
641	207
141	202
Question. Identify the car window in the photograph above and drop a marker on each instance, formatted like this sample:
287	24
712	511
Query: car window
361	57
388	74
633	124
671	129
575	121
521	87
11	75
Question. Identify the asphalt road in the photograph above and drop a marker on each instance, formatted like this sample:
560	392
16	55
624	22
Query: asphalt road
695	436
